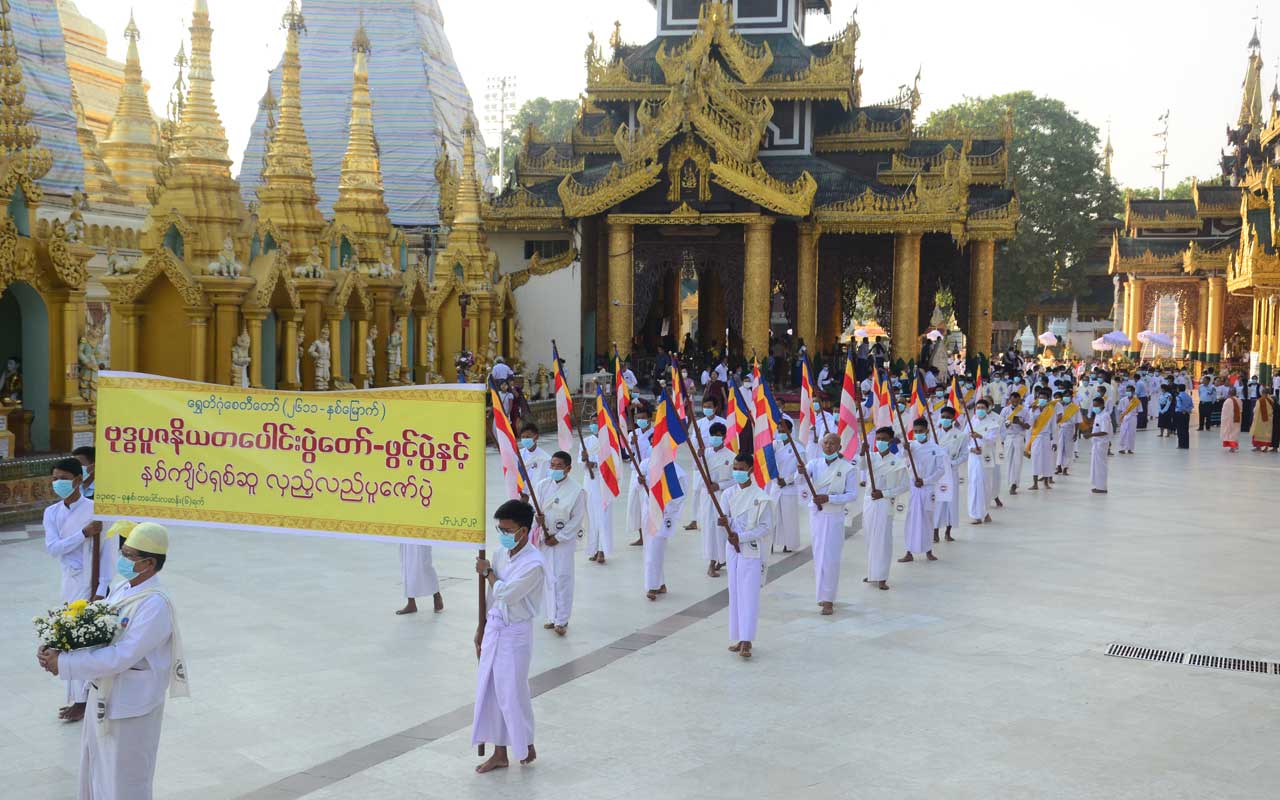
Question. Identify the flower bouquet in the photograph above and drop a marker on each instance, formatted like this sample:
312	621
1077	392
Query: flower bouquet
463	363
76	625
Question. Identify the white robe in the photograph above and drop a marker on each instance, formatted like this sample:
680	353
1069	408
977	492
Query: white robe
753	516
417	572
64	539
1015	443
503	714
946	507
1098	451
564	505
637	495
877	515
930	460
1066	440
720	470
655	544
979	489
698	497
787	497
839	481
599	500
1128	433
1042	458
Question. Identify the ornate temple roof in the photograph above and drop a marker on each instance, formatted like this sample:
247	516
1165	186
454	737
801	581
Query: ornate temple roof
418	99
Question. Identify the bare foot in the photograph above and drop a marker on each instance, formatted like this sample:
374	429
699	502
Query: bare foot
712	572
884	586
949	539
907	559
663	588
935	535
496	761
1099	491
529	759
745	652
828	609
652	595
638	542
600	559
62	712
692	526
437	600
931	556
548	626
999	504
975	522
410	607
75	713
593	556
987	518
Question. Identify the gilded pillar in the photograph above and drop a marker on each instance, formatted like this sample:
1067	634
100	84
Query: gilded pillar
1126	319
621	287
602	286
198	322
124	340
1202	325
1217	308
982	269
1255	328
711	296
807	234
227	296
756	284
313	292
1136	321
835	319
67	307
904	326
1267	343
253	322
333	319
288	346
420	329
382	320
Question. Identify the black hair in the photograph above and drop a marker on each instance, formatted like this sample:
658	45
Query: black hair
69	465
85	451
742	458
156	557
887	429
787	422
563	456
643	407
982	401
945	409
921	423
517	511
717	429
528	426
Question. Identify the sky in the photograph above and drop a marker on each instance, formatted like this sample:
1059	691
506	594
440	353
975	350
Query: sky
1116	62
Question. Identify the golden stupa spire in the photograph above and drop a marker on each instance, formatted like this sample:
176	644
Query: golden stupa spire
1251	103
99	184
361	169
200	144
130	148
19	139
287	195
467	207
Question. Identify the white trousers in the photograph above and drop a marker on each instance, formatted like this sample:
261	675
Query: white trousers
1042	456
559	581
1066	447
1013	457
977	486
637	499
655	555
947	512
503	713
417	571
827	531
788	534
877	522
744	596
1128	434
122	764
599	532
1098	463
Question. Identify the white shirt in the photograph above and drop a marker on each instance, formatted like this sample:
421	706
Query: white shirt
517	594
64	539
706	377
564	505
537	462
501	372
722	373
818	470
139	659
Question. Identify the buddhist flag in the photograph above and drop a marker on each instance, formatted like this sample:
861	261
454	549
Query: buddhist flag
915	405
764	465
564	403
847	424
610	447
622	393
736	416
677	393
663	480
502	431
808	423
882	408
953	396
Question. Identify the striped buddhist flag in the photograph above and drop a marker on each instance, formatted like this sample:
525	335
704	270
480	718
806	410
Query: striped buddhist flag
610	446
736	416
953	396
622	394
664	482
677	393
847	423
764	464
564	403
515	478
808	422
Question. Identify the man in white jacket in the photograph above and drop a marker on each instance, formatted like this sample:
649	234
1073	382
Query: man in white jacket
563	517
751	517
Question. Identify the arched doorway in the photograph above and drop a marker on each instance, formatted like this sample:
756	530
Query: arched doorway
24	333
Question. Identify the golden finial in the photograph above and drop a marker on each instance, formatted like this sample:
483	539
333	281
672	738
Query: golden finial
361	205
615	41
130	147
292	19
19	139
200	144
467	206
360	42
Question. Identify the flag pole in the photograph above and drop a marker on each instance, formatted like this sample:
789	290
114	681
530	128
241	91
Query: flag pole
586	461
902	426
928	412
862	425
703	473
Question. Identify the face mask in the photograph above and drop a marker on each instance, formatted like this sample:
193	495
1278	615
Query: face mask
830	457
922	437
741	476
1097	409
557	475
717	441
1130	393
882	446
708	412
982	412
64	488
125	568
87	491
642	423
947	423
594	428
968	387
507	540
1042	402
526	443
902	406
784	438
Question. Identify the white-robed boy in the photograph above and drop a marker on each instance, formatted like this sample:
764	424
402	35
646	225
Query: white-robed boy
599	499
1100	441
718	459
786	490
564	513
1016	426
751	517
887	470
700	501
836	482
930	468
982	451
946	507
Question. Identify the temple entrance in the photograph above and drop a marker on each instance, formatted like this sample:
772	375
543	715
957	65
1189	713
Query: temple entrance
24	335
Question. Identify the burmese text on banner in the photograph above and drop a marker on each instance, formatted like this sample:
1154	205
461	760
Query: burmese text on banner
396	463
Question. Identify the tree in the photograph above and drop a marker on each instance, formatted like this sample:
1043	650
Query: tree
554	120
1182	191
1062	193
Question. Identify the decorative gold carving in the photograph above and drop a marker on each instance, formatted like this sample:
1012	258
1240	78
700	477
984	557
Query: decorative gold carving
862	133
19	139
695	177
937	202
621	182
540	266
684	215
127	289
520	209
715	27
447	179
751	181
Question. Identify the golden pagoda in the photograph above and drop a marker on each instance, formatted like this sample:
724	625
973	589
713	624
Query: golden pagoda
99	184
130	147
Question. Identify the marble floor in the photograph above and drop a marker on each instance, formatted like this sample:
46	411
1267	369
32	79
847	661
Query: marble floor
980	675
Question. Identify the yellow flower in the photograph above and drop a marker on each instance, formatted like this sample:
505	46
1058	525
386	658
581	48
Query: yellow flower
75	608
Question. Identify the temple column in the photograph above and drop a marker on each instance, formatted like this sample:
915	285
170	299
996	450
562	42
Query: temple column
382	320
1255	328
253	321
621	286
1267	343
603	266
756	285
333	320
288	344
1202	325
420	346
198	322
1126	318
835	317
807	234
227	296
982	271
1136	321
672	302
313	292
126	352
1217	307
904	327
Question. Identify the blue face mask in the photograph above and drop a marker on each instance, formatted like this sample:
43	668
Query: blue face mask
642	423
557	475
784	438
830	456
882	446
708	412
64	488
507	540
741	476
717	441
982	412
526	442
125	568
947	423
922	437
594	428
87	491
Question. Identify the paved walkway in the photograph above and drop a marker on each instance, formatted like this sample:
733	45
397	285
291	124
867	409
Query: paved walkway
981	675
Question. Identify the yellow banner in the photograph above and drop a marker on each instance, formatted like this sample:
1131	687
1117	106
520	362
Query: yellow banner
382	463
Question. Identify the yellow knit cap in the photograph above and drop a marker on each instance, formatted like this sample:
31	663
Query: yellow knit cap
121	528
149	538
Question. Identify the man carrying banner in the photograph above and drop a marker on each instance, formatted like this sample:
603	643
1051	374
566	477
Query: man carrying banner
982	451
836	482
564	513
637	495
666	482
420	578
749	523
503	714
